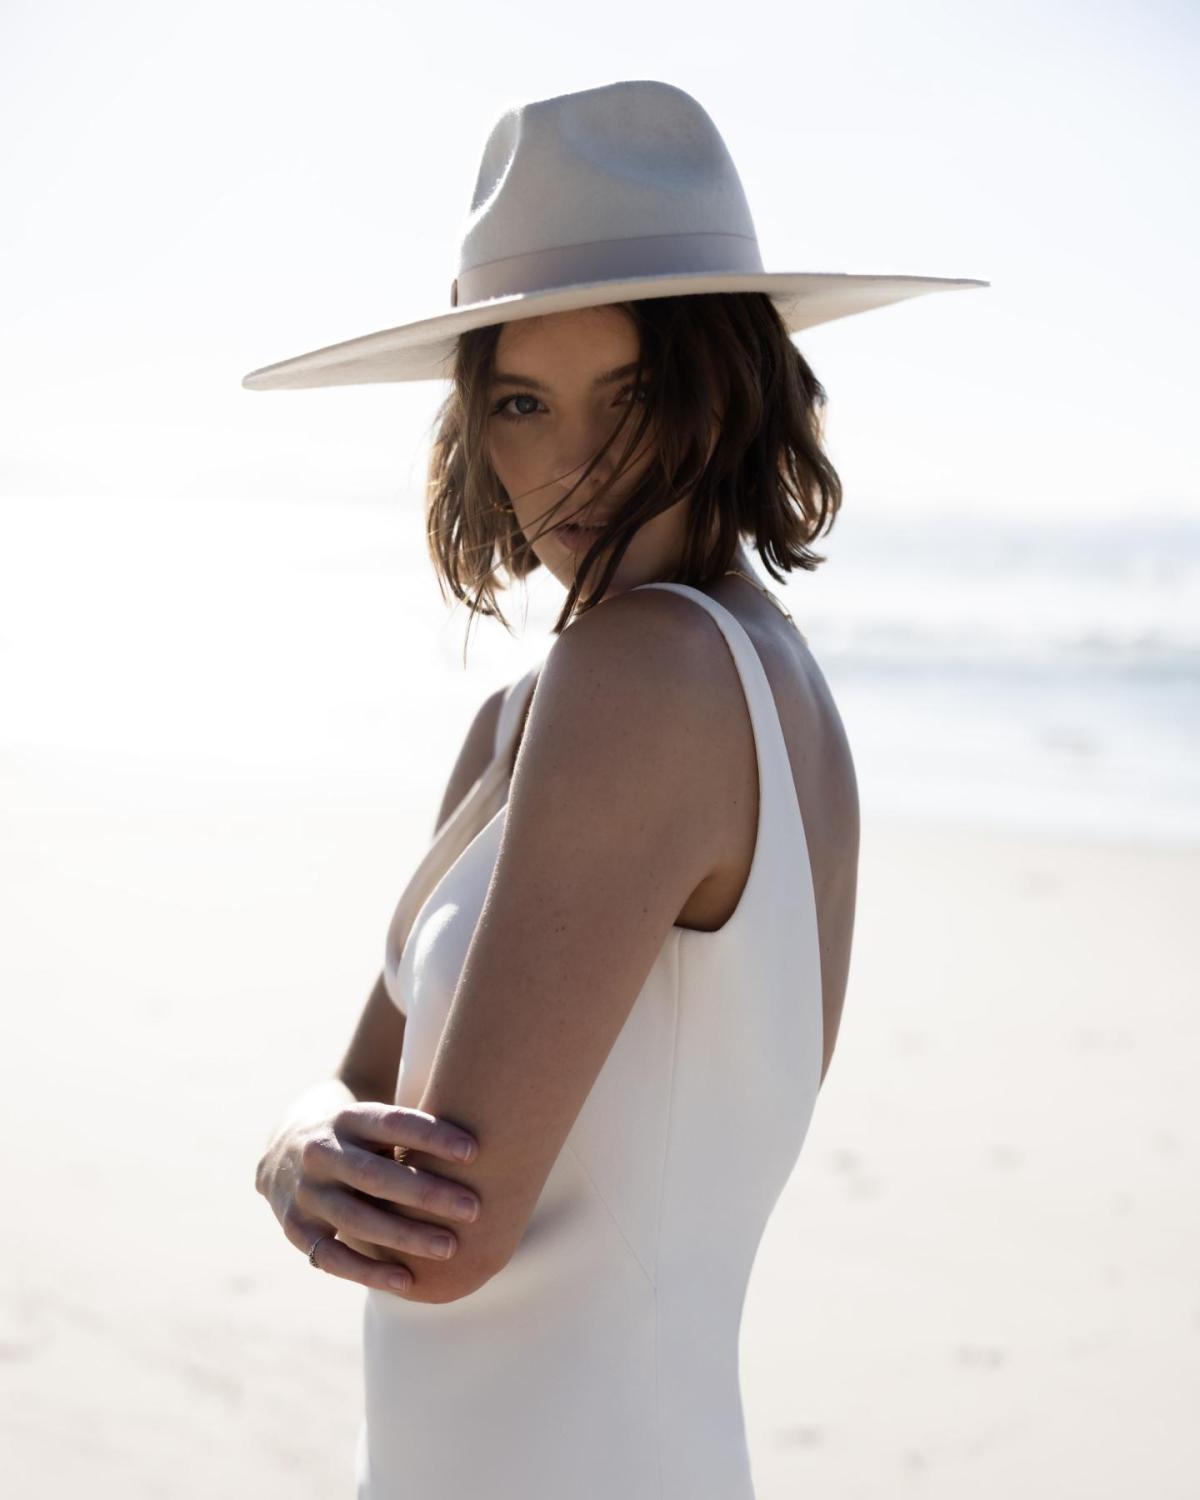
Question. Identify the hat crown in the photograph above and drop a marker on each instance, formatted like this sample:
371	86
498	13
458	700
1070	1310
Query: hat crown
607	195
630	179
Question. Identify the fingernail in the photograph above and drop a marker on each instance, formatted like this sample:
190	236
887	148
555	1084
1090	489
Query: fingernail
463	1149
398	1283
440	1244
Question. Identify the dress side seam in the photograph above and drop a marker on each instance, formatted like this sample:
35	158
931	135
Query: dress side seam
608	1210
662	1178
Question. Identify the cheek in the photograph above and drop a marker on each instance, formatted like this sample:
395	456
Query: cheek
512	452
507	467
497	447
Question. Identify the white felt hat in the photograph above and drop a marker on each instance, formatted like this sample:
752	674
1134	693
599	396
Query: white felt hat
605	195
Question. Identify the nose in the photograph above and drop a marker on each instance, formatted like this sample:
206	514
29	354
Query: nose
587	440
569	478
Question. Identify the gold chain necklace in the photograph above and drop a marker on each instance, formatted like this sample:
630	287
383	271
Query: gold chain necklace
766	594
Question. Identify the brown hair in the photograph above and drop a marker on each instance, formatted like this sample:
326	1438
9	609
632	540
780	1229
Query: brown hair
724	354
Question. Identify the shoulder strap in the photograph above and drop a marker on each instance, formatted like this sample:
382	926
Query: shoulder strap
512	707
473	813
779	806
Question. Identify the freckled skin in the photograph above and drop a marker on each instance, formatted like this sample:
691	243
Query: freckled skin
689	872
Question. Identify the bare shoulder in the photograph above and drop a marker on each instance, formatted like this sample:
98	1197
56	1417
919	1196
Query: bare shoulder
665	653
654	618
629	721
646	652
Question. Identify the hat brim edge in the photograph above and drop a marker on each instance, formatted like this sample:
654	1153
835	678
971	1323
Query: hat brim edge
806	299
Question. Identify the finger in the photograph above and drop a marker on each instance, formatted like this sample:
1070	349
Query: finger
363	1221
395	1125
365	1247
397	1183
339	1260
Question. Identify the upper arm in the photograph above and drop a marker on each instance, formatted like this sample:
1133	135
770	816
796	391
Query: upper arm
604	839
371	1064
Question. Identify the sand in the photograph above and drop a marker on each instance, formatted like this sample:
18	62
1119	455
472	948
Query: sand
981	1279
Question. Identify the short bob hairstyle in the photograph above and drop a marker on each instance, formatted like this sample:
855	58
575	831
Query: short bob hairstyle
723	354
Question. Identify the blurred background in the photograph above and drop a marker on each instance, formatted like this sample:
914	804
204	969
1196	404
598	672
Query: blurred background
231	693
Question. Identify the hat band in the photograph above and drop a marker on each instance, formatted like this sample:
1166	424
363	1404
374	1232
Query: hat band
607	260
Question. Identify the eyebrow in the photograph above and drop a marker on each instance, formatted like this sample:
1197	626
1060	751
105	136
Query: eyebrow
508	377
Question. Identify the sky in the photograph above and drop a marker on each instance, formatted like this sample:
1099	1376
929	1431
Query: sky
194	191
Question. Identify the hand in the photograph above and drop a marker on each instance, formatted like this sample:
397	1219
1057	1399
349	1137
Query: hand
312	1176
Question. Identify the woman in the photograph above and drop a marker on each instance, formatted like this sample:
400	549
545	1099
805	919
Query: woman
617	977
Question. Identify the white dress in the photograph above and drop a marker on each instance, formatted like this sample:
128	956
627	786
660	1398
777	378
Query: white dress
602	1362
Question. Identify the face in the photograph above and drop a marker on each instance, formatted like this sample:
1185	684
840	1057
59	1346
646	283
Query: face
557	395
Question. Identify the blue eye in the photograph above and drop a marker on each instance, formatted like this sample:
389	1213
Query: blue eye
514	416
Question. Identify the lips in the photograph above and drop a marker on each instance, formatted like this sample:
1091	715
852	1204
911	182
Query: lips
578	538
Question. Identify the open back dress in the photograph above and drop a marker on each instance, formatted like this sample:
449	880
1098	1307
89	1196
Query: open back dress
601	1363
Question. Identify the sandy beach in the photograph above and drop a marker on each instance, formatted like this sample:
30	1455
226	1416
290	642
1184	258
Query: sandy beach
981	1278
233	683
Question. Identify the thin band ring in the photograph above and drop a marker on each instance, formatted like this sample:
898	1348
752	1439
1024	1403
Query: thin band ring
313	1251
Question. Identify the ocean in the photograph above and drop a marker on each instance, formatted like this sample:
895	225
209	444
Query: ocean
1025	675
1031	675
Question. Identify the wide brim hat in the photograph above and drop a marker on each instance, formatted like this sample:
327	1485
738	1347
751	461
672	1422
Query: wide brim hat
608	195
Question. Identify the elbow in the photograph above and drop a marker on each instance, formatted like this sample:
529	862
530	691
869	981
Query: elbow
442	1289
449	1282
